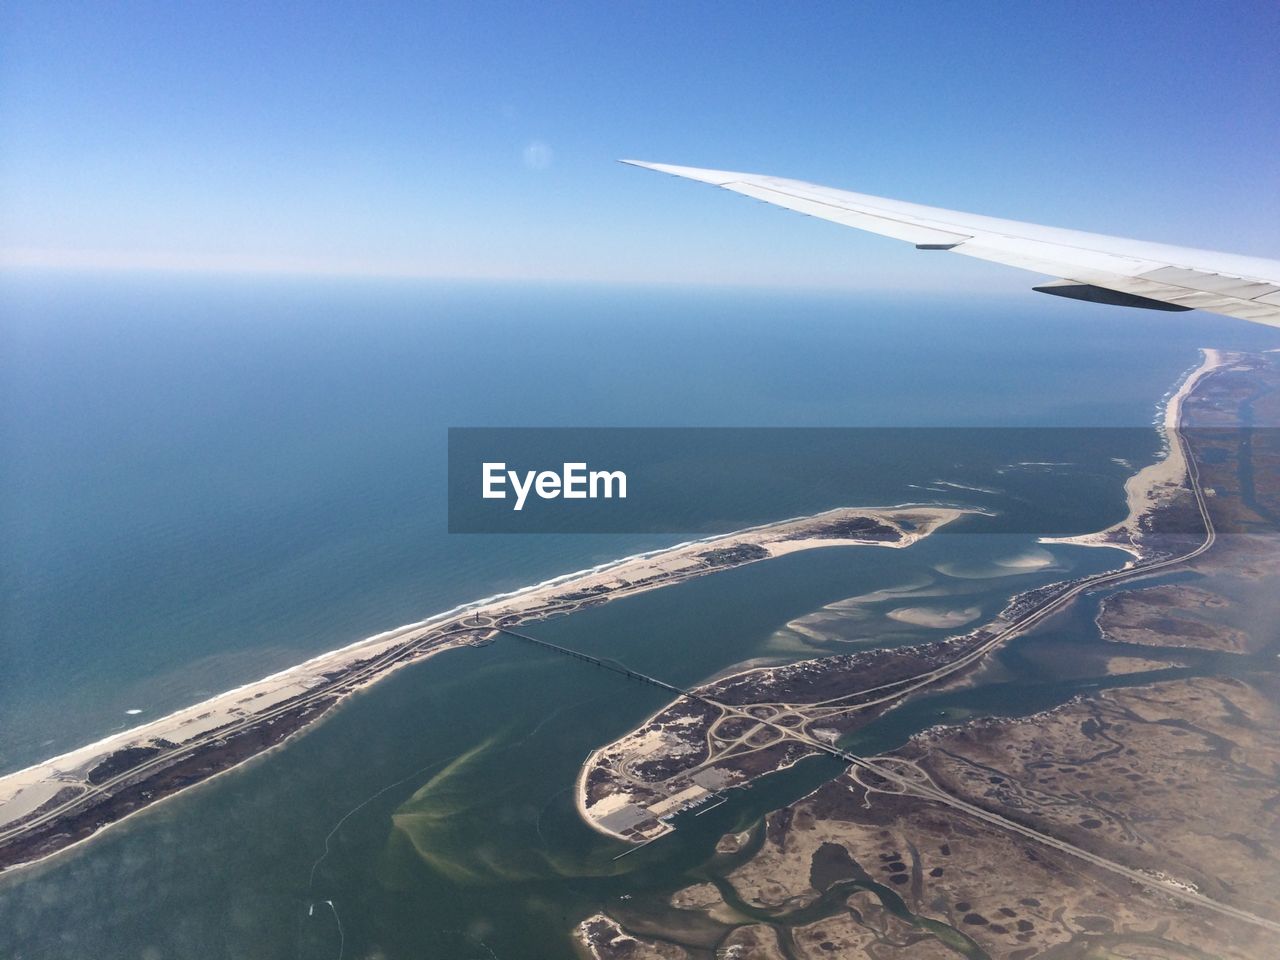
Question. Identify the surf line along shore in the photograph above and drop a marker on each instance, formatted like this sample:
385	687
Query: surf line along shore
1157	483
67	799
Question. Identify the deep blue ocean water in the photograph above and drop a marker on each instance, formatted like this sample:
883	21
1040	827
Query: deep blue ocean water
207	480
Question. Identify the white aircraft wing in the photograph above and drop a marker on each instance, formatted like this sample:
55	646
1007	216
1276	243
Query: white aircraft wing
1087	266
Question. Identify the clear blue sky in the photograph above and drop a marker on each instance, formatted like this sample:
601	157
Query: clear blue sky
478	139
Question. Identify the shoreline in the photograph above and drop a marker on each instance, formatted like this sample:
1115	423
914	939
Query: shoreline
1157	483
1151	488
996	799
174	752
394	634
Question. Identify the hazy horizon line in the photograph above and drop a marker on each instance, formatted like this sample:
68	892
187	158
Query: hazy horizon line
29	260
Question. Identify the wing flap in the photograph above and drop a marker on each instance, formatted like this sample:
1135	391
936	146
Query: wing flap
1240	288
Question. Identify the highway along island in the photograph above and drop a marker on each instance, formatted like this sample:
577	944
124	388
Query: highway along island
67	799
1137	818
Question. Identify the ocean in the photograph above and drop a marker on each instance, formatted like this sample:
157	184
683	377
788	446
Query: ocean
208	480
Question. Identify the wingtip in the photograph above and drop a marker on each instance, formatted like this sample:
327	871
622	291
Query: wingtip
717	177
660	167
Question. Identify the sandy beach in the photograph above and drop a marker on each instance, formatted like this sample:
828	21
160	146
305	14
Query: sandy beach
1157	483
40	792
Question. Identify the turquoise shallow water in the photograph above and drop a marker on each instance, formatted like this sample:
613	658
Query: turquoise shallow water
205	482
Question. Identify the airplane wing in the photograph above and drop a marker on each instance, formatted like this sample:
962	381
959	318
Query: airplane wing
1087	266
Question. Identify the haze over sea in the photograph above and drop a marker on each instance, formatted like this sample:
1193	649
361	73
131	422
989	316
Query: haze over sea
208	480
